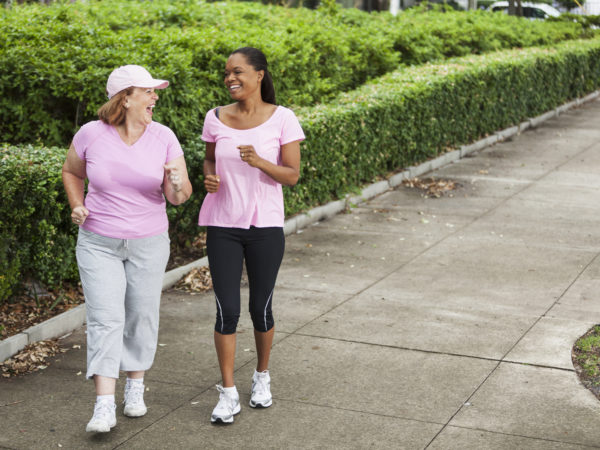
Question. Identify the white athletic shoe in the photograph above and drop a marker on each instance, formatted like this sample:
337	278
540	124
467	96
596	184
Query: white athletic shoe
104	418
261	390
228	406
134	400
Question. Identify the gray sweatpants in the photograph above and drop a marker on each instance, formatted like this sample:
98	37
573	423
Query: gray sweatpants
122	283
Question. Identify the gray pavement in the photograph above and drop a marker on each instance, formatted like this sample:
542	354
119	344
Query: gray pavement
407	322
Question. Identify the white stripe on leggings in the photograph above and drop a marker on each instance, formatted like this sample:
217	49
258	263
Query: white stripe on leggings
220	312
265	313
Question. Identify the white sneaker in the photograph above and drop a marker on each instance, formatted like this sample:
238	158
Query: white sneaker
261	390
228	406
104	417
134	400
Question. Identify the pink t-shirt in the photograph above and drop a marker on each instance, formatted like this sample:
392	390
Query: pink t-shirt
247	196
125	197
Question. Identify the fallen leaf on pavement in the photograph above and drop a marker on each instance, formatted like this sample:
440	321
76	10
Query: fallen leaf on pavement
31	359
197	279
431	186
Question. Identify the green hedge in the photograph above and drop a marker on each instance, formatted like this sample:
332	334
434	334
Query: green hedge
54	60
417	113
587	22
36	239
402	118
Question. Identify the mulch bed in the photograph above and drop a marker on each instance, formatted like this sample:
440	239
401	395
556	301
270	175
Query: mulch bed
182	256
27	309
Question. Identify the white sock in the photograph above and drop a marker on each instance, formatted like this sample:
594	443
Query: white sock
231	390
106	398
135	380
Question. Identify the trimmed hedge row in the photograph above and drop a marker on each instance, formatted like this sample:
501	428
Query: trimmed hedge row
54	60
417	113
398	120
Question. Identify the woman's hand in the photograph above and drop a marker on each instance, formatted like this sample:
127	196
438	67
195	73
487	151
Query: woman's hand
79	214
172	174
249	155
176	184
211	183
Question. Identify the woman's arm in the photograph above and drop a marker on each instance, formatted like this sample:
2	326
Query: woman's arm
176	183
287	173
211	179
73	175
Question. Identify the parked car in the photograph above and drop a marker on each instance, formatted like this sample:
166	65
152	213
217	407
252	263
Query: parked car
530	10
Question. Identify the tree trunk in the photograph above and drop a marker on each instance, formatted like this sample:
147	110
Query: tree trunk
511	8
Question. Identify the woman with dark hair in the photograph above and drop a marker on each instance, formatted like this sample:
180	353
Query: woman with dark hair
131	163
252	149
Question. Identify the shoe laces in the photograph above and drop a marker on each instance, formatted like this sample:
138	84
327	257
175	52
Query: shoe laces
134	393
260	384
103	411
225	400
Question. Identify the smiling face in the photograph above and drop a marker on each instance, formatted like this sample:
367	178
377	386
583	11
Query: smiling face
139	105
241	79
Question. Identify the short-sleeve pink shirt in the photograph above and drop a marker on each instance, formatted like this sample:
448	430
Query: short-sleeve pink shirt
125	197
247	196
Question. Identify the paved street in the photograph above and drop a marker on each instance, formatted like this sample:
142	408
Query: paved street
408	322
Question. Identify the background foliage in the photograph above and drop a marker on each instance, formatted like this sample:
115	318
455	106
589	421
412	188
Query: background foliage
54	60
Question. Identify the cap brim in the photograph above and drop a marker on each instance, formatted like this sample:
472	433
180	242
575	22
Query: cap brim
157	84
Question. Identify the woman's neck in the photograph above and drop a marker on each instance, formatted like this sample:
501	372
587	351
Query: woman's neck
250	106
130	132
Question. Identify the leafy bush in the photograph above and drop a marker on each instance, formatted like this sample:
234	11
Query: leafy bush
36	239
417	113
54	60
400	119
587	22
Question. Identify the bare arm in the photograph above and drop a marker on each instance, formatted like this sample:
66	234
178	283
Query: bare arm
211	179
73	175
176	183
287	173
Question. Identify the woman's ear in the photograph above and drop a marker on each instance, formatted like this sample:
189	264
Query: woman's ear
261	75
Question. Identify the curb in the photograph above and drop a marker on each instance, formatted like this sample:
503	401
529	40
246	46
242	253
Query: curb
70	320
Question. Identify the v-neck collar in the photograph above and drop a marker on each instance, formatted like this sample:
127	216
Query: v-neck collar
125	144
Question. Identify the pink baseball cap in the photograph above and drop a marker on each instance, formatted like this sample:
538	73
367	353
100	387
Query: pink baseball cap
131	76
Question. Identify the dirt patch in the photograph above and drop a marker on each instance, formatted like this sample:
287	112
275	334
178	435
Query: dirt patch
35	306
181	256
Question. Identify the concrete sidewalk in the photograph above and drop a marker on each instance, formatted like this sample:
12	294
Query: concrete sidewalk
408	322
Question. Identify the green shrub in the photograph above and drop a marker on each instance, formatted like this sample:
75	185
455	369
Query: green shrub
54	60
417	113
36	237
587	22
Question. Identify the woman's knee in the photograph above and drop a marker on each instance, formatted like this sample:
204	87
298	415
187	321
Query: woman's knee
227	324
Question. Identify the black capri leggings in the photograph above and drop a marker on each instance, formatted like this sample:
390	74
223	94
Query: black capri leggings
262	248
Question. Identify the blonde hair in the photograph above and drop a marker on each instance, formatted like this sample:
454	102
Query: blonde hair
113	111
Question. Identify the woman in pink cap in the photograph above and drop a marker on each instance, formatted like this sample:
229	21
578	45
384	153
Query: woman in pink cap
131	164
252	149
